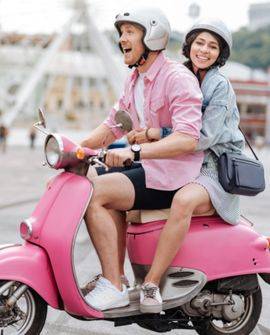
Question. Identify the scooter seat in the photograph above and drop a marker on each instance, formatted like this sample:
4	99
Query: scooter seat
145	215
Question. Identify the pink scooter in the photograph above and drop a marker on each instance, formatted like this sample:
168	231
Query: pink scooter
211	285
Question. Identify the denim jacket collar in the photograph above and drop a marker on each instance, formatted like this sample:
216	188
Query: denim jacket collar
209	74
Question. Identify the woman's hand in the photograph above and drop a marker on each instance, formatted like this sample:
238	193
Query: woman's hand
140	136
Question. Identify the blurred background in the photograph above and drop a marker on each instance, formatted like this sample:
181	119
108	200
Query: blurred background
63	55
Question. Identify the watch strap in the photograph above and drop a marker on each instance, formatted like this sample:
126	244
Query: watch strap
137	156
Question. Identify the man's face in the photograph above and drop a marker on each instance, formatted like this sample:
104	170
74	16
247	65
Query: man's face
131	42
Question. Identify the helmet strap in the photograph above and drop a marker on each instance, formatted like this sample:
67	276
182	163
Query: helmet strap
141	60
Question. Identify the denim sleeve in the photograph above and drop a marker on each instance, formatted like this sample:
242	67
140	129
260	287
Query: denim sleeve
165	131
214	117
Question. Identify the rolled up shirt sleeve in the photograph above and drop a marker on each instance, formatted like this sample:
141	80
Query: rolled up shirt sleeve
214	117
185	104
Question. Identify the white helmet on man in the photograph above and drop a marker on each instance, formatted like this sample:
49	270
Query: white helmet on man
154	23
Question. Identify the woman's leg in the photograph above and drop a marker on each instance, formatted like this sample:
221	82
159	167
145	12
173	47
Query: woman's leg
192	197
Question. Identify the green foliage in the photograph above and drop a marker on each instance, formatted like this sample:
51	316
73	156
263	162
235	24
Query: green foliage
252	47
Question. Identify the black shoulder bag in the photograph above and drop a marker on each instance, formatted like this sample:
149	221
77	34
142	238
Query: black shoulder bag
239	174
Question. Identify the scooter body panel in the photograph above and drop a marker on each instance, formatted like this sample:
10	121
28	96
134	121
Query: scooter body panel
29	264
65	202
212	246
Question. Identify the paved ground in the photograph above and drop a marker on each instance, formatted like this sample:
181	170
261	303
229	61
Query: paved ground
23	180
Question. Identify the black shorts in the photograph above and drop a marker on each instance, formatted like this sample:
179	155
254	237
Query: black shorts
145	198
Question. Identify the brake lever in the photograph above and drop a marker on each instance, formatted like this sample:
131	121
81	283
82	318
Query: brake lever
98	162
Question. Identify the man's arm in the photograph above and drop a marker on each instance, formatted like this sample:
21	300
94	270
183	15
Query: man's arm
100	137
173	145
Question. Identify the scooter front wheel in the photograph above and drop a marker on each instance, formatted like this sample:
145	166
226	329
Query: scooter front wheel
22	310
243	325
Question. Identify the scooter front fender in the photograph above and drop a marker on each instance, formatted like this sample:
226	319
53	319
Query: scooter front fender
29	264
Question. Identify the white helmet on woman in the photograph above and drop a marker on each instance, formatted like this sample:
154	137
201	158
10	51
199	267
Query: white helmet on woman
217	27
154	23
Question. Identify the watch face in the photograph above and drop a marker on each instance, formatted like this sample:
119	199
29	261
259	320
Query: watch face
136	147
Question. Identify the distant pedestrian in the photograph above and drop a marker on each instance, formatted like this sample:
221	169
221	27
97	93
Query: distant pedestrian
3	137
32	137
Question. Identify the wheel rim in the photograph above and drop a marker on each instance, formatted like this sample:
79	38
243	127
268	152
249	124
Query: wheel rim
238	324
24	310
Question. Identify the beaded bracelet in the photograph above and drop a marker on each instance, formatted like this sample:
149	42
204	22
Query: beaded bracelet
147	135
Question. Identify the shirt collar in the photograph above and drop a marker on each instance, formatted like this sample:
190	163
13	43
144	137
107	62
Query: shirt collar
153	70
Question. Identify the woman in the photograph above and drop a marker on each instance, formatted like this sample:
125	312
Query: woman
207	47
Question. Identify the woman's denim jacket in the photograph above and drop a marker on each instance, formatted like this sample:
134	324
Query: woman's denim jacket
220	118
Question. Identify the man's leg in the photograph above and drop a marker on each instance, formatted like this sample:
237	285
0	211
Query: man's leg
119	219
112	191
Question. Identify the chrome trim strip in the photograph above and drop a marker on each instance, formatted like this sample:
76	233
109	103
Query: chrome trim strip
6	246
73	245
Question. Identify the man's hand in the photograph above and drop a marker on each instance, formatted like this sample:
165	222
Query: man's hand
117	157
140	136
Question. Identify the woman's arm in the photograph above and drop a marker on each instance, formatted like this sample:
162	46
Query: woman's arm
214	117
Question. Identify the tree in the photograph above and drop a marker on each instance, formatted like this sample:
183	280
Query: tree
252	48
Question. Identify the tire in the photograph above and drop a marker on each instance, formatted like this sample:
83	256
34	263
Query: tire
244	326
34	309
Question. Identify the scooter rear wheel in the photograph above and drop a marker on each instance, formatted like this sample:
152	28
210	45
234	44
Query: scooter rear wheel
244	325
27	316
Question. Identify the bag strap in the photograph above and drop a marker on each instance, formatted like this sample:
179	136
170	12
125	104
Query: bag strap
249	144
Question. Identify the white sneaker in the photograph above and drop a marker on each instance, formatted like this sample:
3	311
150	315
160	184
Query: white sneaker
88	287
106	296
150	299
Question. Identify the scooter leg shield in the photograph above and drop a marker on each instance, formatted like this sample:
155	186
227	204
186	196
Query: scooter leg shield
29	264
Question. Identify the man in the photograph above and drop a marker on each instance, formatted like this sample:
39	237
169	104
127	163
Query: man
158	93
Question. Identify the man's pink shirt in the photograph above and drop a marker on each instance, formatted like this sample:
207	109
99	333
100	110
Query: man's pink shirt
172	98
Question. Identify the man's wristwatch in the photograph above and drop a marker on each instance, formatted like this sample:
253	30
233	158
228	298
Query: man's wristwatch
136	149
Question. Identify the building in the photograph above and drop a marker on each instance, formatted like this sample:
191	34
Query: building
252	88
259	15
75	87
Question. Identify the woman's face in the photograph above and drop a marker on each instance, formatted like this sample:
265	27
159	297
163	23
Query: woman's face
204	51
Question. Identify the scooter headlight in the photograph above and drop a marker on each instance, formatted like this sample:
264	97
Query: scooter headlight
26	229
53	151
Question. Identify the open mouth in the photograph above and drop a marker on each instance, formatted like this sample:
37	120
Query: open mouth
202	58
126	50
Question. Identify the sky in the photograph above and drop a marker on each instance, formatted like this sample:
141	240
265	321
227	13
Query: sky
34	16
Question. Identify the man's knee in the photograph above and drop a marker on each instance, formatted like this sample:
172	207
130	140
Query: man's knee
106	192
100	195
